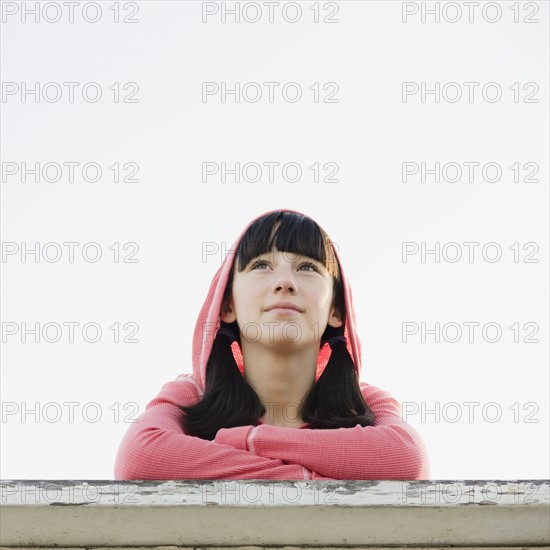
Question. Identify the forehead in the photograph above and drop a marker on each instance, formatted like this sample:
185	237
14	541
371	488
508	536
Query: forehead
275	253
290	238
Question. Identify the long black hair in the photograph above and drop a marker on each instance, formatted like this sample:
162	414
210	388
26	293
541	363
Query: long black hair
335	399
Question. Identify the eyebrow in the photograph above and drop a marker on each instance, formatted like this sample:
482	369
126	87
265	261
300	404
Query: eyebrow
299	257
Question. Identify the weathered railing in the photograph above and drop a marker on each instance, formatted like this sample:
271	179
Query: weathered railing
295	514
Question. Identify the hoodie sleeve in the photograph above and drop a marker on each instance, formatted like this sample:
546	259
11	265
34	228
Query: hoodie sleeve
391	449
156	447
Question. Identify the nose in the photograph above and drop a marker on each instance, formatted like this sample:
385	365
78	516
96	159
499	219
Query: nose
285	286
284	282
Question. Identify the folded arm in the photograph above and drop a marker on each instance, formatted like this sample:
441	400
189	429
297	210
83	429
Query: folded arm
391	449
156	447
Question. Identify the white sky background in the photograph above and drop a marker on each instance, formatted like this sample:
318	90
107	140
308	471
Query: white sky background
170	212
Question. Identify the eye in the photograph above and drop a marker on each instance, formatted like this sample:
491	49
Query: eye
309	264
258	263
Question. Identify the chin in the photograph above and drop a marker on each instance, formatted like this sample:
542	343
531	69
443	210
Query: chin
284	343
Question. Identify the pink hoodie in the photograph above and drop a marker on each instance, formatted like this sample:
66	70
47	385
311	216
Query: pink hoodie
157	447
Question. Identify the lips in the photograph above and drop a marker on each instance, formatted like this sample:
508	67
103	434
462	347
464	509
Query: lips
285	305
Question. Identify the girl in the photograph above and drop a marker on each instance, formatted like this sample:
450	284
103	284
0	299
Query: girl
275	390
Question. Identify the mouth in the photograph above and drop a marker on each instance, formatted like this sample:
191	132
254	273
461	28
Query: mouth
283	306
283	311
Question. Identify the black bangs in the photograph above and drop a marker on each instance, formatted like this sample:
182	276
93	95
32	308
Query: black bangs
296	234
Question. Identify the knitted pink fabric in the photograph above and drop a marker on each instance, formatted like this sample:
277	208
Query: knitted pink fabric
156	446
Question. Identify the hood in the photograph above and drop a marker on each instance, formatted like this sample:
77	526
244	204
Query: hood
208	320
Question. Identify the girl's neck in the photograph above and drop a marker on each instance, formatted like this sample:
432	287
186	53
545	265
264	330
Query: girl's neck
281	382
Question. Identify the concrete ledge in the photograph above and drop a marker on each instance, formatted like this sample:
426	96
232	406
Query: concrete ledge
259	514
278	547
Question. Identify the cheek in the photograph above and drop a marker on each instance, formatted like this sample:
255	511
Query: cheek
244	296
322	297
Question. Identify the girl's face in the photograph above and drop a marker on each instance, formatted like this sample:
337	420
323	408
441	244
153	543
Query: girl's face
294	280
